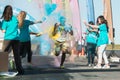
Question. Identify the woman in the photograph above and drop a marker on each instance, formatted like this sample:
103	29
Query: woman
91	39
102	41
25	42
11	37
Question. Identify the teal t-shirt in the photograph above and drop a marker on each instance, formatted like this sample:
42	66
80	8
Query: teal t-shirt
103	35
11	28
24	31
0	24
91	36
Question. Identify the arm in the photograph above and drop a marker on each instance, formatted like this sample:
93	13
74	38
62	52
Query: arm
93	30
3	28
31	23
36	34
89	25
33	33
71	32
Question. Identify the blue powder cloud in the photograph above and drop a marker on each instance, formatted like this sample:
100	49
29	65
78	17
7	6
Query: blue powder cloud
49	8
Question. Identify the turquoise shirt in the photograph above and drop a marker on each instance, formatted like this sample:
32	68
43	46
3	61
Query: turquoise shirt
0	24
11	28
91	36
24	31
103	35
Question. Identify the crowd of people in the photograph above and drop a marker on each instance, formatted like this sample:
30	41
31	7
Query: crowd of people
62	35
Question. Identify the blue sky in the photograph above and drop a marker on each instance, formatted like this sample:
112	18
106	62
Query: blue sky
32	9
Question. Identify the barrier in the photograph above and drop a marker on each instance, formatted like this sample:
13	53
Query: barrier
3	61
82	53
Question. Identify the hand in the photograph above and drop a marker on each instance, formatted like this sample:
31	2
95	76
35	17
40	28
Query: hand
3	31
112	43
84	33
39	34
40	21
85	22
43	19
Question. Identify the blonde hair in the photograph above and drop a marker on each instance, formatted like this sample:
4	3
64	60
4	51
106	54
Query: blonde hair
21	17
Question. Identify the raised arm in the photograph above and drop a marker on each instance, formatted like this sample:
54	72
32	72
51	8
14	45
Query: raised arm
92	30
89	25
35	22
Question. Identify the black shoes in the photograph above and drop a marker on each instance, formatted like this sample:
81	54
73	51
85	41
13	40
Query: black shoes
21	72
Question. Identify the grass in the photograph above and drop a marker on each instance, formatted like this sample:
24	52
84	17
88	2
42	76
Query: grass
113	47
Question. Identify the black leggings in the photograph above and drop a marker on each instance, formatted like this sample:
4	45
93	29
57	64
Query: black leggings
91	49
25	48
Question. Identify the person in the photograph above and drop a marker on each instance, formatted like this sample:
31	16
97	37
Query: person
0	24
102	41
60	37
91	39
66	31
25	42
58	43
11	37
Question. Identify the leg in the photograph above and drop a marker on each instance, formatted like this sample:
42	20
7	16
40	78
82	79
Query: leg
15	47
29	51
100	55
64	49
22	49
57	49
63	58
89	56
105	57
7	48
106	66
93	52
6	45
93	56
100	52
89	52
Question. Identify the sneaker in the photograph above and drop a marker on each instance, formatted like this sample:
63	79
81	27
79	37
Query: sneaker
29	64
62	67
106	67
8	74
97	67
89	65
92	65
21	71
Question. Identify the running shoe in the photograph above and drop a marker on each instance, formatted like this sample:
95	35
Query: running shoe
61	67
106	67
97	67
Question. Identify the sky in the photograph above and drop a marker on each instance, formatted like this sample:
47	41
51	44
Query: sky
31	8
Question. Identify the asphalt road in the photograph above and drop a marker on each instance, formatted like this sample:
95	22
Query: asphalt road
44	70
